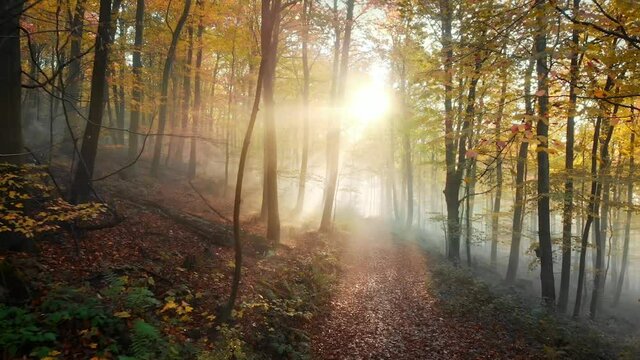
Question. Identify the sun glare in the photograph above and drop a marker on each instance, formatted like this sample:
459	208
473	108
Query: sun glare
371	100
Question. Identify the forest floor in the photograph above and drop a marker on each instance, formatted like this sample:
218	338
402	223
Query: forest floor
151	287
383	308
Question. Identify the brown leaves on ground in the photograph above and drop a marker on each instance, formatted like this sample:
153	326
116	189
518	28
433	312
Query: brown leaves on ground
383	310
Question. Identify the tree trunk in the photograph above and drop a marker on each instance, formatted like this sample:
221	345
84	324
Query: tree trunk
521	166
591	213
495	216
186	97
138	84
307	5
11	141
271	150
627	225
542	130
81	185
197	101
567	214
453	176
166	75
601	222
406	144
73	82
266	36
333	138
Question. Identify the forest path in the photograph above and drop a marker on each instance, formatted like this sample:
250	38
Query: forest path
382	308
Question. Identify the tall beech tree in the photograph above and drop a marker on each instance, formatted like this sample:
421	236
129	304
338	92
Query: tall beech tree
11	144
164	90
333	135
81	186
544	250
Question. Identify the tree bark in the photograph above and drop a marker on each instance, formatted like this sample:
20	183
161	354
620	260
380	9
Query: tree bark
333	138
81	185
307	6
197	101
11	141
567	214
138	84
627	226
166	75
542	130
495	216
186	96
73	82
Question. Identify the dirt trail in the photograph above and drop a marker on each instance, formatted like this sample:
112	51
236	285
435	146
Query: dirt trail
383	310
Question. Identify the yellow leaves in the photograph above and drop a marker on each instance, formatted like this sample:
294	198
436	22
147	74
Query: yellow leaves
168	306
599	93
184	308
52	355
180	309
122	314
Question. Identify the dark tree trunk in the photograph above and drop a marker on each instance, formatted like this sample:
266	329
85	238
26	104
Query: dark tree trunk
601	221
166	75
521	166
453	177
10	82
197	101
542	130
73	82
495	216
567	215
81	185
186	97
267	29
591	213
137	91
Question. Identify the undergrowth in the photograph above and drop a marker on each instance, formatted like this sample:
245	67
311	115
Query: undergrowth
275	323
120	320
557	337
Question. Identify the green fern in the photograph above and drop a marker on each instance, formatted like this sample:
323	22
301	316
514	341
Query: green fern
141	298
146	340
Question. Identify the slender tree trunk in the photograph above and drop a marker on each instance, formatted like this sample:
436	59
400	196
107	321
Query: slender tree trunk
166	75
591	213
186	96
81	185
266	36
73	82
495	216
197	101
11	141
542	130
230	96
333	138
453	176
138	84
598	277
567	215
521	166
406	144
302	182
627	226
